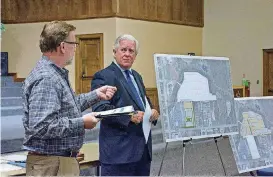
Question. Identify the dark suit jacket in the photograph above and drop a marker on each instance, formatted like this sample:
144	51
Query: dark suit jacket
120	140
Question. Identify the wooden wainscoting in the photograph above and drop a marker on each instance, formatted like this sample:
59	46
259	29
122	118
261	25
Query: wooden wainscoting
26	11
152	94
183	12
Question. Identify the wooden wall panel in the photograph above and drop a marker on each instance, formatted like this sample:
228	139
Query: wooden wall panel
176	10
143	9
152	9
122	8
193	15
184	12
26	11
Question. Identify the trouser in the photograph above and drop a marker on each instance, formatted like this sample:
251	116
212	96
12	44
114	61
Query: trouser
38	165
140	168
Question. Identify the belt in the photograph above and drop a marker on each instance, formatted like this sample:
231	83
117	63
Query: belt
64	154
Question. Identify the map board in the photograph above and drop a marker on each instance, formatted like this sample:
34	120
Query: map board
253	146
195	96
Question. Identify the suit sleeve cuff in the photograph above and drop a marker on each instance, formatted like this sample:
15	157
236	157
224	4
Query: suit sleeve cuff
126	120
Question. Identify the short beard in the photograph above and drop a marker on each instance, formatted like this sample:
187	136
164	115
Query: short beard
69	62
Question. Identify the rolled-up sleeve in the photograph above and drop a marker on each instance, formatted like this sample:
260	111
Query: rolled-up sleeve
44	108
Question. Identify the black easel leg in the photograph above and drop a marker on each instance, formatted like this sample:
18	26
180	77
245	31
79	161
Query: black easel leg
159	172
215	140
183	159
184	153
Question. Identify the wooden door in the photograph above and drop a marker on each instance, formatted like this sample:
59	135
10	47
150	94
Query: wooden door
268	72
89	60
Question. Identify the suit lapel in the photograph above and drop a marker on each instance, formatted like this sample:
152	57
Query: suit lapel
123	81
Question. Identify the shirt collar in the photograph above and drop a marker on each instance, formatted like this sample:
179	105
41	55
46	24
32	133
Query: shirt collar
49	62
122	70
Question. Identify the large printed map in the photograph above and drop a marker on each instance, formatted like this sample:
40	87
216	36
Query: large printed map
253	146
195	96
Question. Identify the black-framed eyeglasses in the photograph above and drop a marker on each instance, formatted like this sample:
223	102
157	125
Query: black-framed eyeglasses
68	42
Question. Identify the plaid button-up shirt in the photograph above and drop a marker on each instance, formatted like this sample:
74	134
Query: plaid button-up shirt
52	112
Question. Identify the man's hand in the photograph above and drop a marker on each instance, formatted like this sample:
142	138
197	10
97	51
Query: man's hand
106	92
90	121
154	116
138	117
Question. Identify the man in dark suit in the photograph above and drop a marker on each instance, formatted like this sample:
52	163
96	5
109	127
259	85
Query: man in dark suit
124	150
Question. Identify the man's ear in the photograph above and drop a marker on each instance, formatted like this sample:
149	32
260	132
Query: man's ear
114	53
62	47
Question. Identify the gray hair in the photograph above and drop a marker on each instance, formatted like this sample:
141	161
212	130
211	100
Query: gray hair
53	34
126	37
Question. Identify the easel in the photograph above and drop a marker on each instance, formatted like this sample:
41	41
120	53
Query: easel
190	141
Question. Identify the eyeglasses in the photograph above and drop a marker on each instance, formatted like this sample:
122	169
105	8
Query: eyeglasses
68	42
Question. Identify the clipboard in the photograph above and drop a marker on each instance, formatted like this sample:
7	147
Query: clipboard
115	115
127	110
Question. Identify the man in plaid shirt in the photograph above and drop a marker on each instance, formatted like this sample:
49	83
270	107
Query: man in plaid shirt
53	121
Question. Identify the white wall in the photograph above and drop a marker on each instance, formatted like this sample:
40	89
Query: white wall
239	29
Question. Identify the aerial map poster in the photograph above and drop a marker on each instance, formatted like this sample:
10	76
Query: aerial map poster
253	146
195	96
